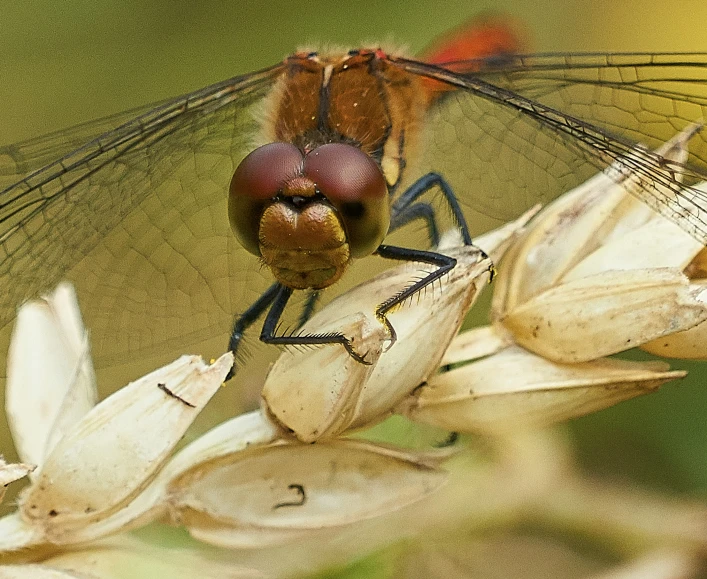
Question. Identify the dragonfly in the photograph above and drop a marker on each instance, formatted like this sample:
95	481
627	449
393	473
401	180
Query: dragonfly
157	214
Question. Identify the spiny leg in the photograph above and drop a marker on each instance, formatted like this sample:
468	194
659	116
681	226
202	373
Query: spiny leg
407	204
276	298
270	327
247	318
407	209
444	265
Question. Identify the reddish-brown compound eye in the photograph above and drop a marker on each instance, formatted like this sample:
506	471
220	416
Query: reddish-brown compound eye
355	185
255	182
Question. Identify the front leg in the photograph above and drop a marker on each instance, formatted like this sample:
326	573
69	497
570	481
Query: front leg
445	265
246	319
272	319
425	183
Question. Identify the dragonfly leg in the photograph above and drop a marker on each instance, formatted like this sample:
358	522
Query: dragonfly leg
421	186
247	318
420	210
270	327
444	265
308	309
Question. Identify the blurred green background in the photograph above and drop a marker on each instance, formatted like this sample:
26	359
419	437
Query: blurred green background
62	63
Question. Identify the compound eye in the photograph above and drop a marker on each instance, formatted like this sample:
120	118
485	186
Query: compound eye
262	173
256	181
355	185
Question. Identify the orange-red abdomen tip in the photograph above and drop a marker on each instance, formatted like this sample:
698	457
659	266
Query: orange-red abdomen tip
480	38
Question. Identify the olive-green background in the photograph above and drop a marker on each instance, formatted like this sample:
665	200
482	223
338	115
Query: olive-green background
62	63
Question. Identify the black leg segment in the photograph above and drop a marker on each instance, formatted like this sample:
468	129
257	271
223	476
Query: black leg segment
423	211
246	319
444	265
270	327
308	309
276	298
421	186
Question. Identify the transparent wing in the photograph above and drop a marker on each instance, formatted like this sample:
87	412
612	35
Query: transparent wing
645	98
536	126
136	219
20	159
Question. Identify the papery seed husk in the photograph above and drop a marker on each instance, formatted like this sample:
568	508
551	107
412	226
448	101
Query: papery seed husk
17	534
549	248
127	556
659	243
44	400
294	393
243	432
11	472
293	487
606	313
206	529
246	431
114	451
688	344
578	223
476	343
36	572
516	389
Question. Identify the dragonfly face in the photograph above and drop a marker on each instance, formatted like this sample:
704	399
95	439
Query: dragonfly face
135	210
307	214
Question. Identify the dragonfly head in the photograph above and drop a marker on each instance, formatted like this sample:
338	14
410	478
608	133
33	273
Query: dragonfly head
307	215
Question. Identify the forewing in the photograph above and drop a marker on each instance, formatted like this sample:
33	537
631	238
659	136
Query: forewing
646	98
533	127
137	220
18	160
